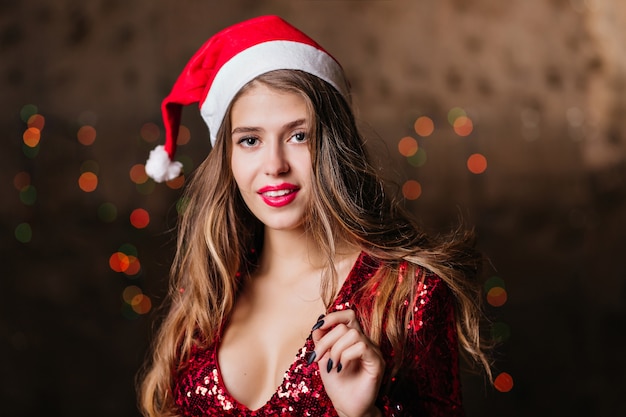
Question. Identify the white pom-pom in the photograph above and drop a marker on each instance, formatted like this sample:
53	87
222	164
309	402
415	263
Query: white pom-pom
160	168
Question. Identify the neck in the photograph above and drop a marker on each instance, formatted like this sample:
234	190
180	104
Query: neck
290	250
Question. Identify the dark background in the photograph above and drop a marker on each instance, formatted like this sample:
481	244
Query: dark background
542	80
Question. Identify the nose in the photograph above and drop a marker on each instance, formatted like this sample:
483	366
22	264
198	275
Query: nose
275	162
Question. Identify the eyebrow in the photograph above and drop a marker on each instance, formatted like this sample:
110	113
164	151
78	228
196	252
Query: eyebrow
290	125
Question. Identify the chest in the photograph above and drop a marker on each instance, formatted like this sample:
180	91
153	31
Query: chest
267	330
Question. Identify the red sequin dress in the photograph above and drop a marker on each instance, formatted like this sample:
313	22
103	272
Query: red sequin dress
427	384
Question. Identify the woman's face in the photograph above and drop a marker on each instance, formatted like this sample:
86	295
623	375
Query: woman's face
270	155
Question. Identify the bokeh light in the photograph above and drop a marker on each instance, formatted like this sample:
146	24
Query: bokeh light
184	135
139	218
463	126
138	174
28	195
477	163
424	126
23	233
21	180
30	152
119	262
141	304
454	114
407	146
31	137
503	382
411	190
131	292
187	162
90	166
134	266
27	111
176	183
146	188
88	182
419	159
150	132
128	249
86	135
494	281
500	332
497	296
107	212
37	121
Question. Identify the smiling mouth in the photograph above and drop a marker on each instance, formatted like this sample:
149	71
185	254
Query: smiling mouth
278	193
279	196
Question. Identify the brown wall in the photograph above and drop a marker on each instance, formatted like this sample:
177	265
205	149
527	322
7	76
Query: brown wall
542	80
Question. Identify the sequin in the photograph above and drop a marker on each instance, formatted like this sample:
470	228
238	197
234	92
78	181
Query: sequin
428	383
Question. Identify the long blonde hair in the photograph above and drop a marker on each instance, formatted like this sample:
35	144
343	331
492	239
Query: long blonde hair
219	239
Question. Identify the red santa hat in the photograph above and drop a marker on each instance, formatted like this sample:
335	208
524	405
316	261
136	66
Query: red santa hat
223	65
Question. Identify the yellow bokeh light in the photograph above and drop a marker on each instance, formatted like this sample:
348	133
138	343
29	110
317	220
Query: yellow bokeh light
141	304
130	293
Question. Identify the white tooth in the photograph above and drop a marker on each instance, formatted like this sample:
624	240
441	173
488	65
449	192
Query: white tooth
277	193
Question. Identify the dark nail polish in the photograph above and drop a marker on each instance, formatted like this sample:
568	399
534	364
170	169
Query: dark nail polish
317	325
311	358
329	365
321	316
339	367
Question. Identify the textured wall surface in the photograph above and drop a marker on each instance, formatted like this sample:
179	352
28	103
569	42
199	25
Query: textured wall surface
543	83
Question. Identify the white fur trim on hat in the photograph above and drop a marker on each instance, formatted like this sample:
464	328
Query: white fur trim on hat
259	59
160	168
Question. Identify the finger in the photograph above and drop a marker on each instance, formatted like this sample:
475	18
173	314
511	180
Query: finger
366	355
324	339
349	338
325	323
347	317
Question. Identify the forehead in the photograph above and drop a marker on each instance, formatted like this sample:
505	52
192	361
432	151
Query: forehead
260	104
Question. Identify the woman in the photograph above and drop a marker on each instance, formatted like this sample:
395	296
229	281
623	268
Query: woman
294	269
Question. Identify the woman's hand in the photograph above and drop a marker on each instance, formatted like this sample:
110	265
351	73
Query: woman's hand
351	366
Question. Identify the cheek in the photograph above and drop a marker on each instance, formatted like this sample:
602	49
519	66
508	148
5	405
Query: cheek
241	174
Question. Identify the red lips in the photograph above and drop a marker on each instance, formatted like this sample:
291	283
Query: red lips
278	195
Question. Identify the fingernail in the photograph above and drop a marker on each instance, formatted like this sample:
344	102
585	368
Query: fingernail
339	367
311	358
321	316
329	365
317	325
